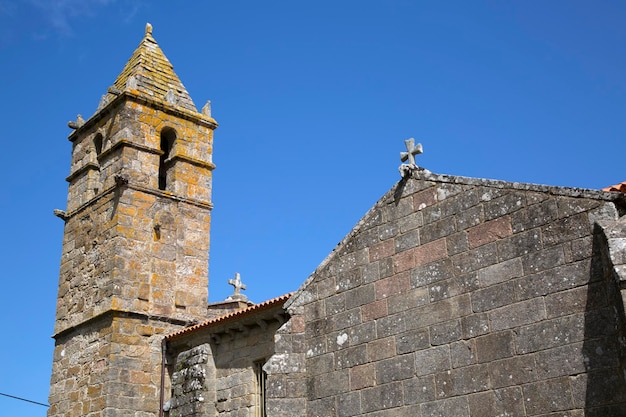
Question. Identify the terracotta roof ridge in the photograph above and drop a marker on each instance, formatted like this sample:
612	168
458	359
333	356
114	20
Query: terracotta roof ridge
235	314
621	187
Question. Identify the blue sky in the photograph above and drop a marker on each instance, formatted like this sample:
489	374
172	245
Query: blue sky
314	101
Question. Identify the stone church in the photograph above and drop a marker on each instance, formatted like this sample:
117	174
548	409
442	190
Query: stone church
452	297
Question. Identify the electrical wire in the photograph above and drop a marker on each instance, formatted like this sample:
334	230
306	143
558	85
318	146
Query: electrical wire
24	399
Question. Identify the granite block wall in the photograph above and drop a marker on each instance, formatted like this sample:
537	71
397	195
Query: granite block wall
461	297
216	370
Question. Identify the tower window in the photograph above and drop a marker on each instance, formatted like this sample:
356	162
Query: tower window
168	136
97	143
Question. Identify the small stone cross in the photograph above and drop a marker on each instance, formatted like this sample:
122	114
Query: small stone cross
411	150
236	282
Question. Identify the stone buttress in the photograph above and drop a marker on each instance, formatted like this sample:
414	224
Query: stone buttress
134	264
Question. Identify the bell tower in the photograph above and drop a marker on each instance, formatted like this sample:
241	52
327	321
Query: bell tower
134	262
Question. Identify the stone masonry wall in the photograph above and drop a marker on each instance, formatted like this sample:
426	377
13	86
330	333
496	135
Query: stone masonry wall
132	253
218	378
109	367
460	297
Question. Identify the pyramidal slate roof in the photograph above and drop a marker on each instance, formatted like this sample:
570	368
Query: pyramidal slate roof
150	74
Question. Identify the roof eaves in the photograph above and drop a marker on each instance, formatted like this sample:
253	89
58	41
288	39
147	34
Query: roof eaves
265	305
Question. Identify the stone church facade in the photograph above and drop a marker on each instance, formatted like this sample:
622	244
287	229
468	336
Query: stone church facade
452	296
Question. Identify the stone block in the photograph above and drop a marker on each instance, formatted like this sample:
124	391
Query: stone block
387	230
407	300
395	369
501	402
335	304
381	349
457	407
495	346
475	259
424	198
347	280
550	333
462	353
598	389
433	272
418	390
362	376
569	206
576	300
516	370
565	229
382	250
371	272
444	289
412	340
460	381
489	232
429	361
381	397
330	384
348	404
437	312
517	314
492	297
375	310
390	325
543	260
430	252
394	285
534	216
446	332
506	204
519	244
346	319
318	407
470	217
548	396
410	222
457	243
361	333
403	261
556	279
437	230
351	356
407	240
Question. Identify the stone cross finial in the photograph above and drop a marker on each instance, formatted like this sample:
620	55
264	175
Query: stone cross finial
148	29
238	285
411	151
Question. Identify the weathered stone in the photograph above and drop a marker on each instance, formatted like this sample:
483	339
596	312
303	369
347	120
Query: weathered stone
432	360
495	346
507	401
516	370
462	353
412	341
517	314
446	332
492	297
449	407
547	396
381	397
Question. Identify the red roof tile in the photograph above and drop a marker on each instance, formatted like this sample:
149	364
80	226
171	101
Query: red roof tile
621	187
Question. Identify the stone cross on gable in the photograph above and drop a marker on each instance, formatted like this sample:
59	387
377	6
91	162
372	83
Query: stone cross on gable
411	150
238	285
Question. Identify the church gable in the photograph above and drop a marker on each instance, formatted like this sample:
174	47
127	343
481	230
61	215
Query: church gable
456	296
